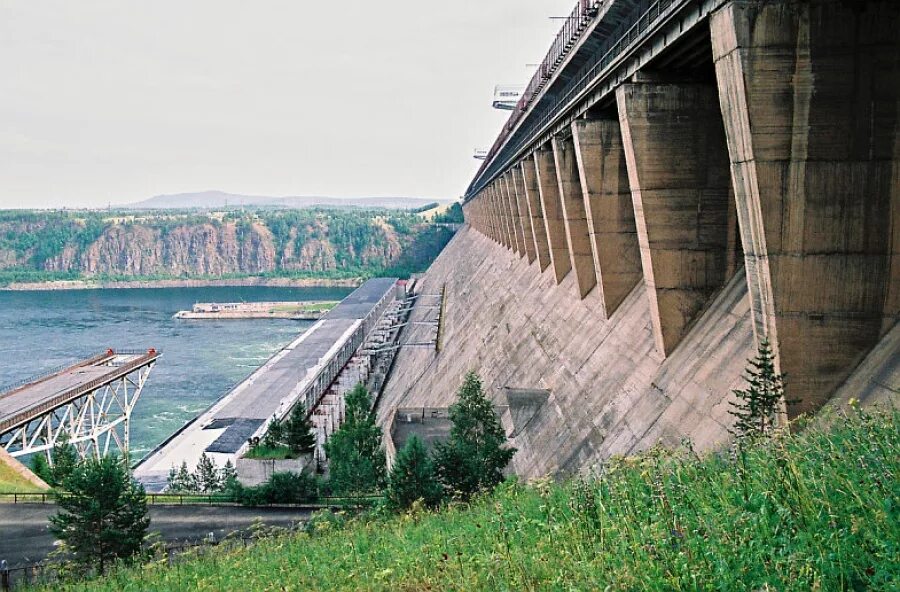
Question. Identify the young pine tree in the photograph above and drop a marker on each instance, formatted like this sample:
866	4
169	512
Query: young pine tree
274	435
474	456
413	477
41	467
181	481
756	409
102	513
64	458
298	431
206	475
355	457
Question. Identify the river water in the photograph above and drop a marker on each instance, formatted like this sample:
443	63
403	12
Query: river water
201	360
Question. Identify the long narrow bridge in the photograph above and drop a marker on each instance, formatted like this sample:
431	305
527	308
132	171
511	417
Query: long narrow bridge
88	403
674	142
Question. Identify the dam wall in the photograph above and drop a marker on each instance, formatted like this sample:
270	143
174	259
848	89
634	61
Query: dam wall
607	389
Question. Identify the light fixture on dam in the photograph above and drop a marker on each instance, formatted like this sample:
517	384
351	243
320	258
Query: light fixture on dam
506	96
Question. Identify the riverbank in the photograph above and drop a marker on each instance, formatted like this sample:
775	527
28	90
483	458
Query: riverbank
183	283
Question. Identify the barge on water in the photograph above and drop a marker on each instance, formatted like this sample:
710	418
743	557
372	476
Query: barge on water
299	311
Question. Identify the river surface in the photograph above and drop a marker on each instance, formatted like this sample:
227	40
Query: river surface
201	360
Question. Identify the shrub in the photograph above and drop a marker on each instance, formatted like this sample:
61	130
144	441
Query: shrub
475	455
413	477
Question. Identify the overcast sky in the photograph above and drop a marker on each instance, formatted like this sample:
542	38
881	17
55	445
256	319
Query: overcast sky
113	102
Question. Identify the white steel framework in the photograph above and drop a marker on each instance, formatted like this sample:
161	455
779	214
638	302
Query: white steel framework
93	422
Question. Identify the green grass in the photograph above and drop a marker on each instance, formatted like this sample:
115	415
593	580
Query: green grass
263	452
817	511
12	482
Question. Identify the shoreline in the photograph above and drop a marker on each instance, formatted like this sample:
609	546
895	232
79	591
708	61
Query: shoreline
181	283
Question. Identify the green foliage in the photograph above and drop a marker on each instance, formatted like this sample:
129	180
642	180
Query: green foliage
274	437
351	243
65	459
426	246
102	513
181	481
287	439
298	431
263	451
207	476
356	460
282	488
453	215
823	514
475	455
41	468
413	477
757	407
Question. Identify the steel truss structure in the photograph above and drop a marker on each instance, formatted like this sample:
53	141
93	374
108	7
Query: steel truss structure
95	417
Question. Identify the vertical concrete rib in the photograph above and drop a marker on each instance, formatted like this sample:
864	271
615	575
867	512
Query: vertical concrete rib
809	95
501	214
608	207
554	221
503	200
678	171
513	212
578	237
524	216
535	212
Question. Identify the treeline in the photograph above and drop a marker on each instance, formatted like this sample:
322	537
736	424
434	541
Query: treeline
329	243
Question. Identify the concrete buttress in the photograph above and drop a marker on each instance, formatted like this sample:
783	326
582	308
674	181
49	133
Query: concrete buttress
607	203
809	94
578	237
554	218
677	164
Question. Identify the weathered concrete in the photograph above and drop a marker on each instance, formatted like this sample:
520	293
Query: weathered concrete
512	211
554	218
678	172
578	238
535	212
608	207
610	391
524	215
809	93
252	471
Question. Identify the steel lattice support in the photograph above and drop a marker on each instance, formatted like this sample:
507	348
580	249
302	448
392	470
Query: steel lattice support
94	422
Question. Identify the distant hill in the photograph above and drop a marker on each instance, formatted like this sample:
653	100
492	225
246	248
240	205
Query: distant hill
218	199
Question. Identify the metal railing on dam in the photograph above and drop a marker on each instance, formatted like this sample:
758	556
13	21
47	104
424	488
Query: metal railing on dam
536	111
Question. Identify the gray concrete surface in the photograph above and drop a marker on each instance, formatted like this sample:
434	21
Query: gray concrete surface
25	539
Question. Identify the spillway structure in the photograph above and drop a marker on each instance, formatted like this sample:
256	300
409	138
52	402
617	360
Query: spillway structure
303	372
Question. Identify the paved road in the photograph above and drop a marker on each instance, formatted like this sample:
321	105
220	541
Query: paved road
24	537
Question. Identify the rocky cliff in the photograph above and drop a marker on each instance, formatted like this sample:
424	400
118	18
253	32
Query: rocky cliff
314	241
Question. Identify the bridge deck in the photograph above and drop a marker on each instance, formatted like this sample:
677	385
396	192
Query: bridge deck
36	397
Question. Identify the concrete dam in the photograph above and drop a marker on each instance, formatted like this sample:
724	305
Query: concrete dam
681	180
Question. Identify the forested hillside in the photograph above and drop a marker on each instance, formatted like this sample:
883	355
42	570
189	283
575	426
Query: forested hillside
315	242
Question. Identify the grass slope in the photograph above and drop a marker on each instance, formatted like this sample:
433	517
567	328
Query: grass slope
818	511
12	482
